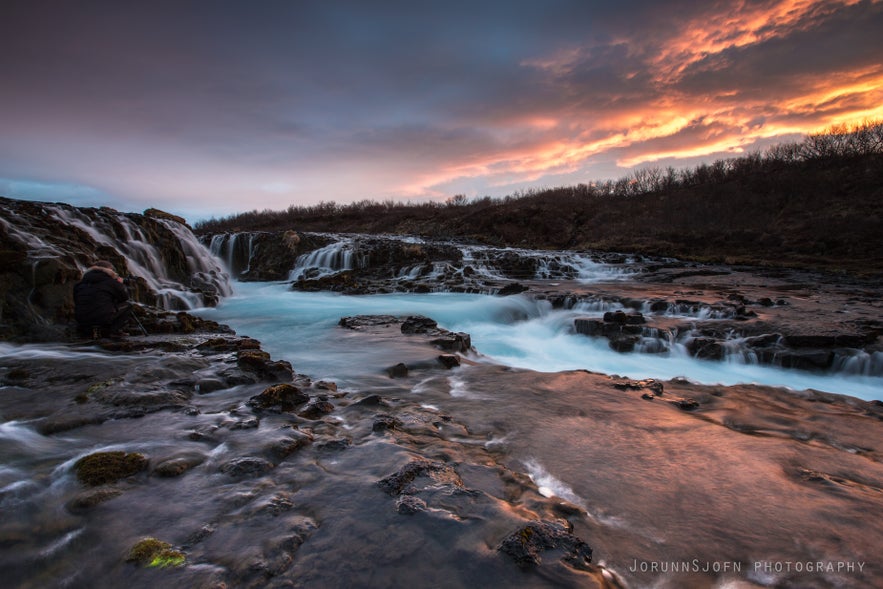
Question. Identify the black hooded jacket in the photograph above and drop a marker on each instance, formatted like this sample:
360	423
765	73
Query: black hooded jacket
97	298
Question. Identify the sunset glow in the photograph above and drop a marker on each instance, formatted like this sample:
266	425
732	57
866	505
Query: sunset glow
239	107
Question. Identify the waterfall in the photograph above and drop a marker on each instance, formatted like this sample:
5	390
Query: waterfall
331	259
236	250
181	272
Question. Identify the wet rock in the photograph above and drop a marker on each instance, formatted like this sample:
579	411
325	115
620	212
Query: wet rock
418	324
208	385
409	505
108	467
362	321
402	482
259	363
371	401
686	404
806	359
453	342
400	370
316	409
178	465
511	289
280	397
383	423
622	342
449	360
150	552
246	467
326	386
527	544
706	348
282	447
89	499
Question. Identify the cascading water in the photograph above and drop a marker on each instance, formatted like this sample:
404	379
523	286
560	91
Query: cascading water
236	251
163	252
331	259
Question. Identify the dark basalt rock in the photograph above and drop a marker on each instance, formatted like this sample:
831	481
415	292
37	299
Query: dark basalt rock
400	370
409	505
418	324
511	289
526	545
449	360
316	409
284	446
248	466
279	397
402	482
259	363
383	423
707	348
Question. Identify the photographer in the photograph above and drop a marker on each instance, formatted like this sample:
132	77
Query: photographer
100	302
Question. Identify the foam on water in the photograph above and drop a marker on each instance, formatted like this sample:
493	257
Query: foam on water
515	331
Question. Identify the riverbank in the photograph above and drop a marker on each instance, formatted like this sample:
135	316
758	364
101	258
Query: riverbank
469	474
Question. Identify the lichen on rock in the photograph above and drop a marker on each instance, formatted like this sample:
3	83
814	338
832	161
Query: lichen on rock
150	552
108	467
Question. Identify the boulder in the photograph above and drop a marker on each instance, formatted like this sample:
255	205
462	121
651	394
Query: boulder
279	397
527	544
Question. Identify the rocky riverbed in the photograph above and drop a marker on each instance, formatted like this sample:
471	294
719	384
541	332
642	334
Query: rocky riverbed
247	474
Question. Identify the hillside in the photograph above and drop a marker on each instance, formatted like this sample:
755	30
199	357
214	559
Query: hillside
813	204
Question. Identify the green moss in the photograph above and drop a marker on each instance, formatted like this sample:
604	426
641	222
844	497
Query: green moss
98	386
106	467
151	552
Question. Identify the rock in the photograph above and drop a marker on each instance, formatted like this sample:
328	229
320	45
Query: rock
401	482
409	505
151	552
259	363
46	254
316	409
687	404
806	359
623	343
418	324
400	370
526	545
706	348
587	326
208	385
385	422
284	446
108	467
248	466
178	465
280	397
449	360
89	499
453	342
371	401
511	289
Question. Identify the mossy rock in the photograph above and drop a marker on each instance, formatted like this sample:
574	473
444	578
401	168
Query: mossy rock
106	467
150	552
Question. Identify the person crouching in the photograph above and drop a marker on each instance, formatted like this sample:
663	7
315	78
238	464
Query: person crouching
100	302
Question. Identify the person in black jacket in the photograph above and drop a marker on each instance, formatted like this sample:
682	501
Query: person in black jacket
100	302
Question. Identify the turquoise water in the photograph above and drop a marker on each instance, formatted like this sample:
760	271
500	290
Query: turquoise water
516	331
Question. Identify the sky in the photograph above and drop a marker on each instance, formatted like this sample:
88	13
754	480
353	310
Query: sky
205	108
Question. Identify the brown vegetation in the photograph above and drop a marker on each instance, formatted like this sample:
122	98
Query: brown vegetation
815	203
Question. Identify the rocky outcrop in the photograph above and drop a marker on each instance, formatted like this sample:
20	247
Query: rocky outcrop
45	248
